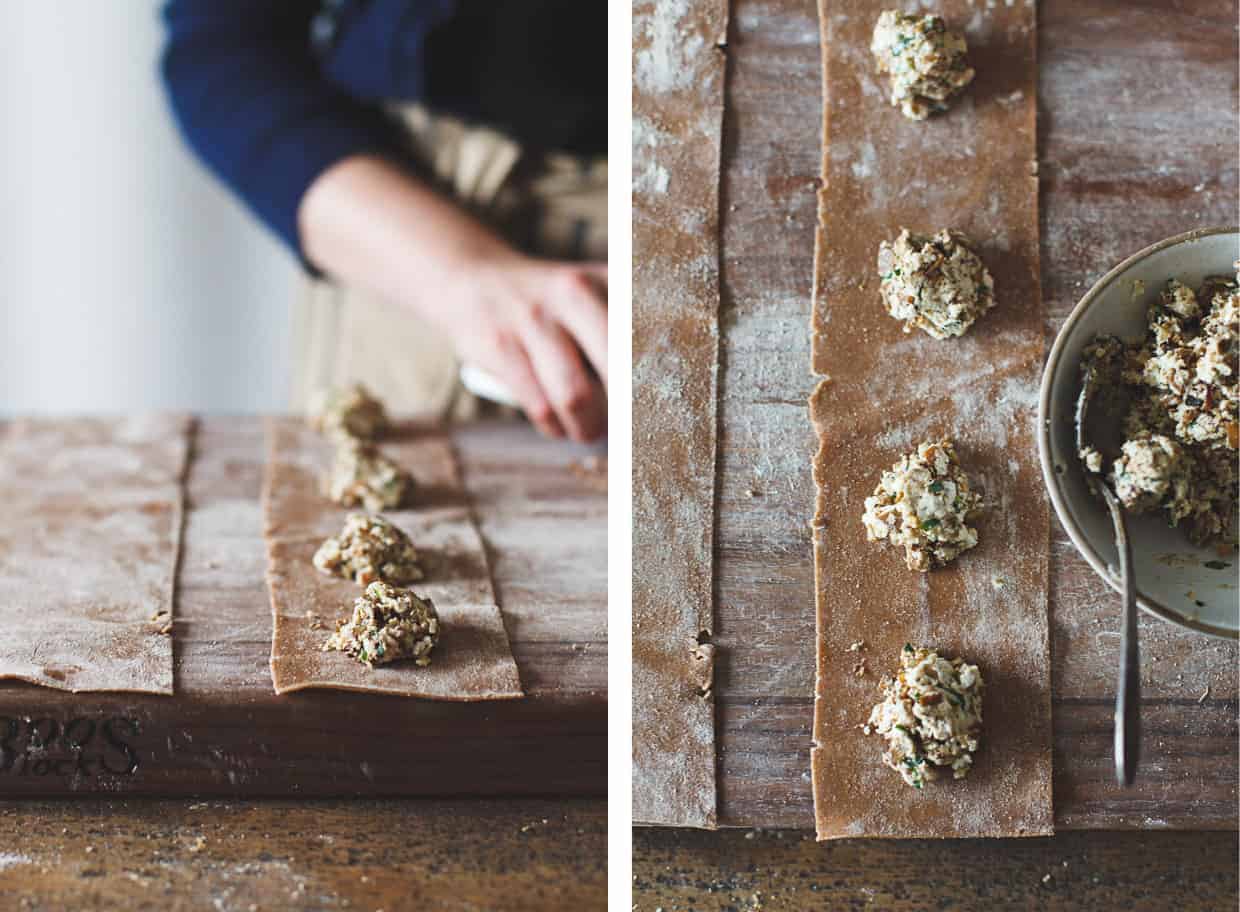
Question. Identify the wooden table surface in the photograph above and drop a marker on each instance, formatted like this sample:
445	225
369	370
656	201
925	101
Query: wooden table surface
366	855
786	871
1138	137
542	517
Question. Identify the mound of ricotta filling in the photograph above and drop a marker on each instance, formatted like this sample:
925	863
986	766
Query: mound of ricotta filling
349	411
369	548
1181	429
930	716
362	476
922	503
924	59
388	624
936	283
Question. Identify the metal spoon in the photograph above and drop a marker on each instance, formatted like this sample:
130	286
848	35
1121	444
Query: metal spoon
1101	429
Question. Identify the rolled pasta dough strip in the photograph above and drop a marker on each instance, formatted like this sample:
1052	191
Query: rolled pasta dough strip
473	659
89	543
973	168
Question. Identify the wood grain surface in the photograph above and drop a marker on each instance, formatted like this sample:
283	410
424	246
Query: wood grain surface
786	871
234	856
225	732
1124	162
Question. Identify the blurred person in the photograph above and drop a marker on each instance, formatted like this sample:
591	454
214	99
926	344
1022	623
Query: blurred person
439	168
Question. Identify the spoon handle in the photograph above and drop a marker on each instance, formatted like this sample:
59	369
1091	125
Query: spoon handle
1128	691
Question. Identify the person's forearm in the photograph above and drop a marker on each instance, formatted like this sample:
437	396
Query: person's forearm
249	98
534	324
369	224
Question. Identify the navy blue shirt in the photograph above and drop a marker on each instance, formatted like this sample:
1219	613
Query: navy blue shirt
270	93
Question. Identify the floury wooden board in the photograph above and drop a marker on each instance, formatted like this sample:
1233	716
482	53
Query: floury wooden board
224	730
1123	162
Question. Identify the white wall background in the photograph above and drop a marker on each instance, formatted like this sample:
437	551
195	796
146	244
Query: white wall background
129	279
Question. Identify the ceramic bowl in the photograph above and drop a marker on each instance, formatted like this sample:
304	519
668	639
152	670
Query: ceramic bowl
1176	581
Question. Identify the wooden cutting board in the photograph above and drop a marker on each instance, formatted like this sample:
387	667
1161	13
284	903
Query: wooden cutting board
543	518
1124	161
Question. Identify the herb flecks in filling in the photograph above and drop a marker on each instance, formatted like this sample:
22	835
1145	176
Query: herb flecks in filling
936	284
922	503
1181	430
362	476
930	715
369	548
388	624
924	59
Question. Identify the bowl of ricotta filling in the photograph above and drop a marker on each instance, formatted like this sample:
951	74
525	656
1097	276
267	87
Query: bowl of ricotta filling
1167	323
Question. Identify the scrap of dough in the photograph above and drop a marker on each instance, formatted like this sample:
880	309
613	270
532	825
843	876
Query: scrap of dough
369	548
349	411
922	503
362	476
925	59
931	716
387	624
935	283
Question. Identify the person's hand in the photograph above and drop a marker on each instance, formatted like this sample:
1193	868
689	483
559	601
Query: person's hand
538	326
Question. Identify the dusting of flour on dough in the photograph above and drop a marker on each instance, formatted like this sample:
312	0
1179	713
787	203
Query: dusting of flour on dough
669	63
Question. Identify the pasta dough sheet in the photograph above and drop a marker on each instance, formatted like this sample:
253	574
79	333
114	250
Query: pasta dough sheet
89	543
473	659
678	82
974	169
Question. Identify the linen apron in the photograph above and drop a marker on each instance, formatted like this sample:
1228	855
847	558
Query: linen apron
548	205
